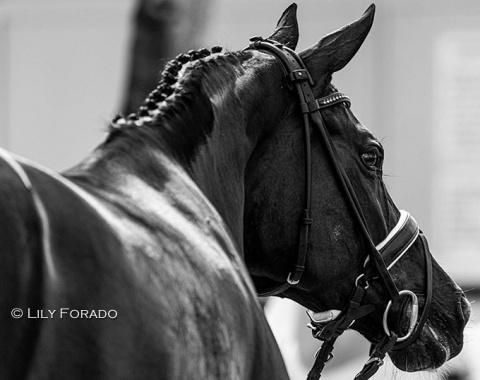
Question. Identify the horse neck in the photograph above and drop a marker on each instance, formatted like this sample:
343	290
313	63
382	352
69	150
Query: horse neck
203	148
219	159
218	170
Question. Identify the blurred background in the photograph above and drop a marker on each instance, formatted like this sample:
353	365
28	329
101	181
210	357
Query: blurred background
68	66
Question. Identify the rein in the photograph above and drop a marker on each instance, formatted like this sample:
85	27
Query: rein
380	258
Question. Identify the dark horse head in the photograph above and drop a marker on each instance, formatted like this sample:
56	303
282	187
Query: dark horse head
216	169
336	250
234	123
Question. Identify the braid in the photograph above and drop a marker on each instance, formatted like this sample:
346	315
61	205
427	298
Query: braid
169	77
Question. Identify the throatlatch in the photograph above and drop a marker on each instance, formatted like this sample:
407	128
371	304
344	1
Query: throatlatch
380	258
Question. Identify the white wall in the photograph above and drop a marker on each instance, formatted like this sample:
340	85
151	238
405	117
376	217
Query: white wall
61	68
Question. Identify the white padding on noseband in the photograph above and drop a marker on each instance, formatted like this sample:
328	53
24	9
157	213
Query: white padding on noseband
398	227
405	218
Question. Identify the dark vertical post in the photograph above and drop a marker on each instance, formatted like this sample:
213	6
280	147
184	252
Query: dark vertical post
161	29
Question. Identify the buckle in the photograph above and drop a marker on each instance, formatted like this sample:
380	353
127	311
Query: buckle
374	359
365	285
290	281
329	357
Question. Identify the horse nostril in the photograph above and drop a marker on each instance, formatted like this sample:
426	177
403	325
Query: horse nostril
465	307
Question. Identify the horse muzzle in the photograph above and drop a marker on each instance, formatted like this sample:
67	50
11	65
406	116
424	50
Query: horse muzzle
440	337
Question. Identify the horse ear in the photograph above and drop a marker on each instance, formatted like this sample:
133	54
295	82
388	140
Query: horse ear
335	50
286	31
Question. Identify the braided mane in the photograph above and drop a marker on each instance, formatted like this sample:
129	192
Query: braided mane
178	113
157	101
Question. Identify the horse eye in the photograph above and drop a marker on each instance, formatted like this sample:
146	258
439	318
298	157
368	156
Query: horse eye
371	159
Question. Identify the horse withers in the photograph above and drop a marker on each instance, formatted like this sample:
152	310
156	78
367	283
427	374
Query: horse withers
138	262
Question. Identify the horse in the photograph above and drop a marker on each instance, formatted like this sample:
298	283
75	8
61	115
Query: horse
146	258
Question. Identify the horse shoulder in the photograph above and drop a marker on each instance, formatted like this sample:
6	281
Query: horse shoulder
175	290
200	294
205	302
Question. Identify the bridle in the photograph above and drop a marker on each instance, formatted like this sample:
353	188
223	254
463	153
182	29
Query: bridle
380	258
